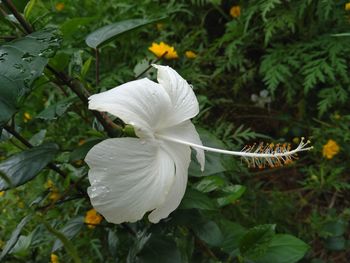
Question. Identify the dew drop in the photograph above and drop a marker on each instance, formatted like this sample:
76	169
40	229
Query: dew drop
99	191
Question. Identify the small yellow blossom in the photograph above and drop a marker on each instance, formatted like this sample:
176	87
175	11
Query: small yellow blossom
337	116
81	142
20	204
59	6
330	149
190	54
54	194
161	48
54	258
92	218
347	6
235	11
2	193
27	117
2	243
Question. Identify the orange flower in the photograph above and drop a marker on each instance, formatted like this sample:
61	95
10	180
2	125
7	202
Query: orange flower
190	54
235	11
161	48
92	218
330	149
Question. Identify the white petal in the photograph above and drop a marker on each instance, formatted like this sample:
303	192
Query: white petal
186	131
181	154
183	99
128	177
141	103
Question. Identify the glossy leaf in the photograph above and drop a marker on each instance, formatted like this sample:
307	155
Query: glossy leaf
80	152
284	249
161	248
70	230
14	237
210	233
56	110
256	241
198	200
21	62
24	166
108	33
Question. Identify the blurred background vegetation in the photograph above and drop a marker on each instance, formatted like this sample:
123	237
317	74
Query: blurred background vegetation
262	70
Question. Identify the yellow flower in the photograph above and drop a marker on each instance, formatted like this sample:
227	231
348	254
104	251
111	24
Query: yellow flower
330	149
347	6
54	258
235	11
54	195
161	48
59	7
190	54
92	218
27	117
20	204
2	193
81	142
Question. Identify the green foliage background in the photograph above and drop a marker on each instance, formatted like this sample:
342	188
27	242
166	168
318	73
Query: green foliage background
293	55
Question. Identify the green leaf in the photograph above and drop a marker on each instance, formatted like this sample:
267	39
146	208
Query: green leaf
232	234
71	26
161	248
334	228
198	200
38	138
21	62
21	249
24	166
14	237
210	183
284	249
232	194
70	230
56	110
210	233
256	241
108	33
80	152
65	241
335	243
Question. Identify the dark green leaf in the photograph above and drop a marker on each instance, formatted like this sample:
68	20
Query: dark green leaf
232	193
14	237
232	234
80	152
24	166
160	248
71	26
70	230
38	138
21	62
21	249
210	233
284	249
198	200
210	183
335	243
256	241
108	33
56	110
334	228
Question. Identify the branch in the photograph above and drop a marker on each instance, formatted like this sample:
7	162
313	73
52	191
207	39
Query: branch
11	7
